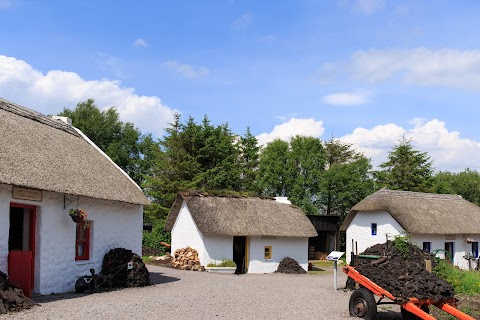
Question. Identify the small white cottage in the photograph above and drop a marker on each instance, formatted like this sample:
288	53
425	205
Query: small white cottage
441	223
256	233
48	167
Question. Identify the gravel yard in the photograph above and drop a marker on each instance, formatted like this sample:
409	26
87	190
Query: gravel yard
201	295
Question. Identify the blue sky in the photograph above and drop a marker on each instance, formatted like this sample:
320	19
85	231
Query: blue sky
365	71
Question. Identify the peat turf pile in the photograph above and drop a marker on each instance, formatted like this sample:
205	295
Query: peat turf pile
289	265
12	297
117	260
403	273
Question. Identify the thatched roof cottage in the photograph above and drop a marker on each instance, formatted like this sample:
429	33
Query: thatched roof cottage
435	222
257	233
48	167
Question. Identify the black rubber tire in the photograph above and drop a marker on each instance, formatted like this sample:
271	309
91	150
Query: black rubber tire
362	304
81	285
407	315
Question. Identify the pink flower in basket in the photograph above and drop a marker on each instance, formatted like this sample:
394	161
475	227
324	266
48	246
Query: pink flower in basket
79	215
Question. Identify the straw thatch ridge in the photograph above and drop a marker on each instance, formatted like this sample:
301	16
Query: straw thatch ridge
242	216
46	154
422	213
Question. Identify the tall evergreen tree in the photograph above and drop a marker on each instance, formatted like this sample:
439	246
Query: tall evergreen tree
191	156
406	169
248	161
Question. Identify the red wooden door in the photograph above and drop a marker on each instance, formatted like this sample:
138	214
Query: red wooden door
20	269
21	261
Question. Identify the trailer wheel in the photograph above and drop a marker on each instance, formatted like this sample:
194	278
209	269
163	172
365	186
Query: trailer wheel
362	304
407	315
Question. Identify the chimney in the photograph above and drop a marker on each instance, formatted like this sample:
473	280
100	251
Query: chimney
64	119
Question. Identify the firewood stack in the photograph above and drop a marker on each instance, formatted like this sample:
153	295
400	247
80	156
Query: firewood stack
187	259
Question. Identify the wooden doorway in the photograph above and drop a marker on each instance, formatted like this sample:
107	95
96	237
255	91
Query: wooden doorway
21	246
239	254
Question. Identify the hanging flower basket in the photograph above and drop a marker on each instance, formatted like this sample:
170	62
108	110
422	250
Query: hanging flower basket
78	215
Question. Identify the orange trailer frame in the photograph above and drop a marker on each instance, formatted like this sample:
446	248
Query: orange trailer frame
413	305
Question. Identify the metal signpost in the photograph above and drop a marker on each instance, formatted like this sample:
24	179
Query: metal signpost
334	256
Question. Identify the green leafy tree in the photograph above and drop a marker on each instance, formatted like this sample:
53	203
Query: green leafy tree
305	167
273	176
122	142
465	184
293	169
344	185
346	181
406	169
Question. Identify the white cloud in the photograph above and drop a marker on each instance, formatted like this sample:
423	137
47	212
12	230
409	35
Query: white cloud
49	93
420	66
347	98
448	150
368	7
291	128
242	22
186	70
140	43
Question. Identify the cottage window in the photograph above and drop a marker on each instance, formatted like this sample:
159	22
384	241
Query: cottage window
475	249
374	229
427	246
268	252
82	241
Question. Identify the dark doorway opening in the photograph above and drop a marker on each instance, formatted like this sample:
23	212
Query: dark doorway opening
16	232
239	253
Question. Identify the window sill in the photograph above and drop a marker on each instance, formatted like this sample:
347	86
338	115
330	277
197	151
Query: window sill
82	262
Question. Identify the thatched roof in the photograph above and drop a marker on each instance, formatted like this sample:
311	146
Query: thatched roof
42	153
242	216
422	213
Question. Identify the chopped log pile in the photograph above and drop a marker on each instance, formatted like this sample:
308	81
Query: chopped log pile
12	297
117	259
403	273
289	265
187	259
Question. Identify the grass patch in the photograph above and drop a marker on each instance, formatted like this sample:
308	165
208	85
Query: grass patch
224	263
462	280
146	259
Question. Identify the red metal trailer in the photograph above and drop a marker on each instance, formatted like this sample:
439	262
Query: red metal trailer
363	305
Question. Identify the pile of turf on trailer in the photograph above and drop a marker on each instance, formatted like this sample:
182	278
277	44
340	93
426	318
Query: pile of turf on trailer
401	271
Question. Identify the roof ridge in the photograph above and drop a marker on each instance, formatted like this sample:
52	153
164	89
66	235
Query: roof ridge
36	116
414	194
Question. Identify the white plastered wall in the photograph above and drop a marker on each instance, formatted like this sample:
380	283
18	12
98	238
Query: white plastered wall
295	248
114	224
186	234
360	230
461	248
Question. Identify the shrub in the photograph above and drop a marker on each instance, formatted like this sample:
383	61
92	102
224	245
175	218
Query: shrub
224	263
462	280
158	234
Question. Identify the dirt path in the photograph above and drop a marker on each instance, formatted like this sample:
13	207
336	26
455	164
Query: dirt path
201	295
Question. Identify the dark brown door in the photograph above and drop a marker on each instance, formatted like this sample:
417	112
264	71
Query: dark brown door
239	251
